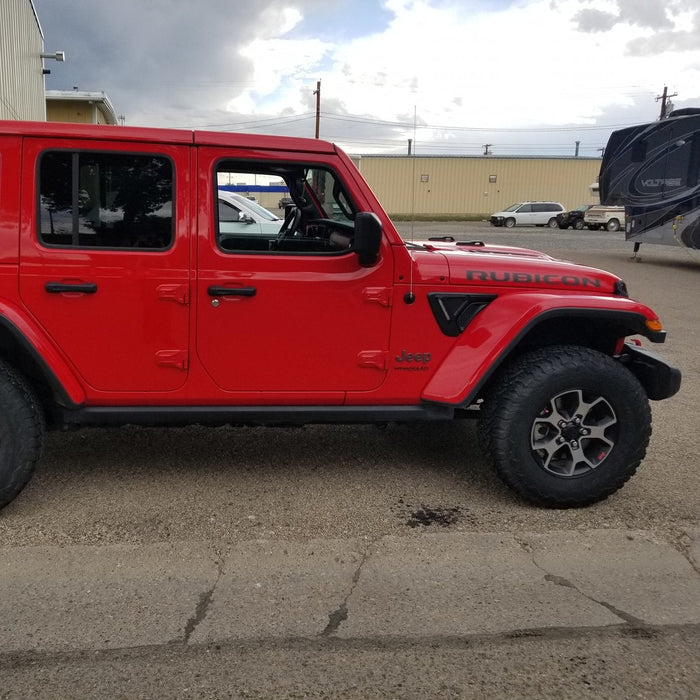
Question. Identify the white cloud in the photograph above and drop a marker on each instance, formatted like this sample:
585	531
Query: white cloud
483	69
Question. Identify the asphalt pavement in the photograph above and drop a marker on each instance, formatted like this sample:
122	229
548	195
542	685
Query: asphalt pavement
354	561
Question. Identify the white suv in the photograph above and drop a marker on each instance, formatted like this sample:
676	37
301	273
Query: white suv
528	214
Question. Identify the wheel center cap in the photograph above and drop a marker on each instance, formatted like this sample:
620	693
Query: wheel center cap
571	432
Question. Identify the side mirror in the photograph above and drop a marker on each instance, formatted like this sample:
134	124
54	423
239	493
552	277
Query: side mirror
368	238
246	218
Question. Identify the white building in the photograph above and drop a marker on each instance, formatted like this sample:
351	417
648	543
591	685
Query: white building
21	63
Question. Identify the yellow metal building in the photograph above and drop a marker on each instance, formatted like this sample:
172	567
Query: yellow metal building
475	187
79	106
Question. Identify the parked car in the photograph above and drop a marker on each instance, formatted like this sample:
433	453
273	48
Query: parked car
601	216
573	218
240	215
528	214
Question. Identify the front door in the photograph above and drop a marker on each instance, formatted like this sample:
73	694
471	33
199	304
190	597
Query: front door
105	269
291	313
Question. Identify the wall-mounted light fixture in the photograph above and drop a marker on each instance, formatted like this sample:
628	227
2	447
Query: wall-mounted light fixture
56	56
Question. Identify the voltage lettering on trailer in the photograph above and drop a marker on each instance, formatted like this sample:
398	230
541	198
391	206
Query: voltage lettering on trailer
532	278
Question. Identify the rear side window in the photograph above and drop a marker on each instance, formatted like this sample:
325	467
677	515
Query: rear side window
105	200
547	206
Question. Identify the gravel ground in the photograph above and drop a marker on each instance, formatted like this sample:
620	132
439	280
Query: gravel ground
146	485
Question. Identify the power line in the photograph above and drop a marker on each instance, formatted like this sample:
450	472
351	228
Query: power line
444	127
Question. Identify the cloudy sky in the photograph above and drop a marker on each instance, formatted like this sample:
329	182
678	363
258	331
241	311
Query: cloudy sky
525	76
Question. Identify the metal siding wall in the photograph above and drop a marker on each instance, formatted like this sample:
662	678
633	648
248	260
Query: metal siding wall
21	79
460	186
68	111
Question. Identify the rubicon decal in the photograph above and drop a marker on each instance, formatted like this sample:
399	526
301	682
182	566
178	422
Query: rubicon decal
532	278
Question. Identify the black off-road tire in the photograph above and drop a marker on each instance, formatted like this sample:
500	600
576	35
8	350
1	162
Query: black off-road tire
565	426
22	431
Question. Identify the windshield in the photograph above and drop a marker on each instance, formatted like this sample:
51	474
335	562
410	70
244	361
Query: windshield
513	207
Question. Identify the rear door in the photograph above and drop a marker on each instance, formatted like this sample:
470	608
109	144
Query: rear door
104	258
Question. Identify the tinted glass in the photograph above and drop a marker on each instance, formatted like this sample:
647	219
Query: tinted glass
105	200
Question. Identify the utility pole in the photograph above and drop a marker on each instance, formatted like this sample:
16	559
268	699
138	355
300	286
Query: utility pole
317	92
665	98
410	143
578	143
486	149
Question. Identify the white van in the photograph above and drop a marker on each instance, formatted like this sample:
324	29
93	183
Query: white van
528	214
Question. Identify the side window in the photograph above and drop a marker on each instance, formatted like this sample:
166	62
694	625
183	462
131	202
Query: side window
525	209
320	221
105	200
228	213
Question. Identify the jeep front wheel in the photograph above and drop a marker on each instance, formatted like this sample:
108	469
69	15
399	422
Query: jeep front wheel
566	426
21	433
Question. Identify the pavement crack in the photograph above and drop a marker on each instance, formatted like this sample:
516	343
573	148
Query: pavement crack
340	614
201	610
560	581
566	583
334	620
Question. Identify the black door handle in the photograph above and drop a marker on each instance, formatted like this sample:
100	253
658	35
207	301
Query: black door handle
79	288
231	291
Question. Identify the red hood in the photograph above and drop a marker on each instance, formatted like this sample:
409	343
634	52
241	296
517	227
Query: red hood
505	266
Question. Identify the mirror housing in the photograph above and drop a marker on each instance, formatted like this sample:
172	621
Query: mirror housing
368	238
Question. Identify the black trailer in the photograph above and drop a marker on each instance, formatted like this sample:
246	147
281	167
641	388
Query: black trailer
653	170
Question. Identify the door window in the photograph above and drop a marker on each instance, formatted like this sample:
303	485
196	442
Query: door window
105	200
320	221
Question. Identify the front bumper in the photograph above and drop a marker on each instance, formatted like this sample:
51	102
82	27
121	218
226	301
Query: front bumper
496	221
659	379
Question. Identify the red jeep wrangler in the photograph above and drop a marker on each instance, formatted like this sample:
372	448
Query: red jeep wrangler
128	296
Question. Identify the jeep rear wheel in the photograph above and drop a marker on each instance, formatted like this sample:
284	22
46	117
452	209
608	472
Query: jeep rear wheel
21	433
566	426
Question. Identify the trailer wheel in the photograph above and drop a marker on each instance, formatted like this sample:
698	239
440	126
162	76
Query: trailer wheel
21	433
566	426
